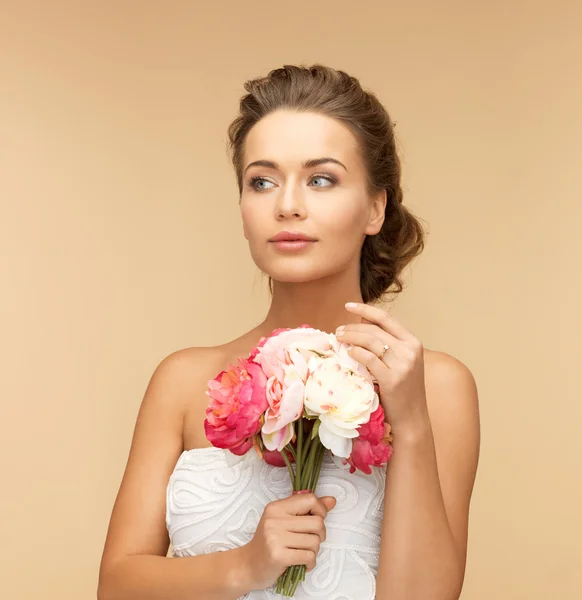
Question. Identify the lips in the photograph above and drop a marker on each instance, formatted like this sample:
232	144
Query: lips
292	236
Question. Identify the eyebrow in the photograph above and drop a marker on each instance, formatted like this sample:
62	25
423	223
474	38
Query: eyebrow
313	162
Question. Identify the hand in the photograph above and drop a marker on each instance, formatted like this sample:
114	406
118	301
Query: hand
400	371
289	533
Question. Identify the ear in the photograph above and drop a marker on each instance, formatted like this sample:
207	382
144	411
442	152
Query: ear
377	213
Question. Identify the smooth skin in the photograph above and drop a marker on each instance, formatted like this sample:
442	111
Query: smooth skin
135	563
430	397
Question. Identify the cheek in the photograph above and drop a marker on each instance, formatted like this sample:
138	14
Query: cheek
250	220
344	221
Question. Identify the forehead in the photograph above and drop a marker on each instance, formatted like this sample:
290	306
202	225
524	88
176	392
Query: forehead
290	137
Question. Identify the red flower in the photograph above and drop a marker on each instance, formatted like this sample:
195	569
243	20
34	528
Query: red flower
275	459
238	401
371	447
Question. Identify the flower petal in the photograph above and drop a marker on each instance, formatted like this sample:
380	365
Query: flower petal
340	446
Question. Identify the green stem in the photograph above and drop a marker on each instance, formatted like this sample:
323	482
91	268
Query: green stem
306	474
292	450
299	576
291	473
306	446
291	581
307	458
287	580
317	469
299	456
280	583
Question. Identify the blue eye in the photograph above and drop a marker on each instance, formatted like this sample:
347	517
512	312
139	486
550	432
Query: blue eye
327	178
254	181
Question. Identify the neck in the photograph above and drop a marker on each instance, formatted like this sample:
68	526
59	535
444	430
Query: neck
319	303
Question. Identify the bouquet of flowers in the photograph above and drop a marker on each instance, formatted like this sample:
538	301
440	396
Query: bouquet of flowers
298	394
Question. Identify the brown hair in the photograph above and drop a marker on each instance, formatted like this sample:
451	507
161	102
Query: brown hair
338	95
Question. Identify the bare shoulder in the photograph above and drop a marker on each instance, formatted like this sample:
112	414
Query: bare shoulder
439	362
184	371
448	380
189	371
180	381
453	404
173	394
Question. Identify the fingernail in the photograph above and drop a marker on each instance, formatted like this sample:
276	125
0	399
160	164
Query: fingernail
351	304
340	330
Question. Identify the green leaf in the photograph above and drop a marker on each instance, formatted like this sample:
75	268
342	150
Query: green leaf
315	429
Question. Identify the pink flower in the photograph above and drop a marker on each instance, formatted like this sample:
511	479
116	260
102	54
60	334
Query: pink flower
373	430
284	359
370	448
285	406
273	334
263	340
238	401
273	353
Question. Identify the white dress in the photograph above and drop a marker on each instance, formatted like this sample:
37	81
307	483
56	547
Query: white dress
215	499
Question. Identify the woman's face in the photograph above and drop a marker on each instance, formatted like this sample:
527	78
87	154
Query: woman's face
326	201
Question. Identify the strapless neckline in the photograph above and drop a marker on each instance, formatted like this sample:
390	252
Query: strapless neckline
215	499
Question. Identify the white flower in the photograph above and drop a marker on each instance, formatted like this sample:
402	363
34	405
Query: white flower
342	396
294	346
284	360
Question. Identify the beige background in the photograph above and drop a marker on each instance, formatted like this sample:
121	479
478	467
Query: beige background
121	242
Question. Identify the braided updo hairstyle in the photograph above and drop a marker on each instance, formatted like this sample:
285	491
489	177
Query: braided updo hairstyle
338	95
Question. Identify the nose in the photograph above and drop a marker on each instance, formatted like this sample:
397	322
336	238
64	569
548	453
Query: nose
290	203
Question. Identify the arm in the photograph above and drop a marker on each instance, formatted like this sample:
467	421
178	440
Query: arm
214	576
429	484
134	565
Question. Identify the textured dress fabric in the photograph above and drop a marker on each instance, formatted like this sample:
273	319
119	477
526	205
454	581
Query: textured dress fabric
215	499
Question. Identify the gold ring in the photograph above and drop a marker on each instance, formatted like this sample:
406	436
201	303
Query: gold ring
384	350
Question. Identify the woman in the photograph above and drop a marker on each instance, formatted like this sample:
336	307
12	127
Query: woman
321	206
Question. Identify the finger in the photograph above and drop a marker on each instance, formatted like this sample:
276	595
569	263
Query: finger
369	327
304	504
373	343
329	501
307	524
369	360
302	541
381	318
301	557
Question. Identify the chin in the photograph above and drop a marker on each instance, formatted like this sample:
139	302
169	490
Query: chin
293	278
300	268
295	273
